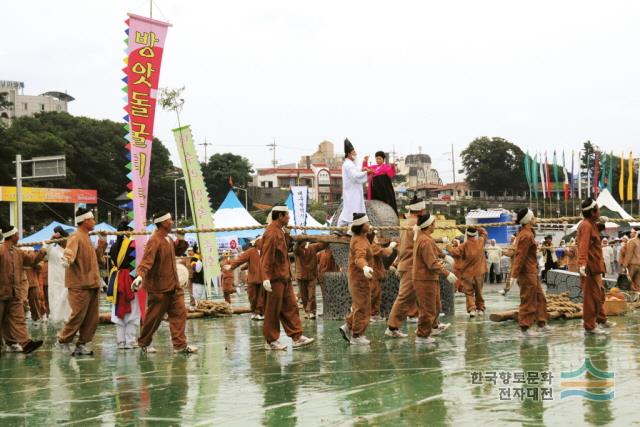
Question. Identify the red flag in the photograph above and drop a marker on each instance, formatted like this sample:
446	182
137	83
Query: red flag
546	161
230	181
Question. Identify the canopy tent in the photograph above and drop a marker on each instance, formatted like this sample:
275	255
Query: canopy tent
609	208
46	232
231	213
311	221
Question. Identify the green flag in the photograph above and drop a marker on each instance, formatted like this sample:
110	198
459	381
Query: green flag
534	175
527	171
610	174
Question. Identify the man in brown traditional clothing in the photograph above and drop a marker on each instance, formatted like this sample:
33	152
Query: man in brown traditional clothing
13	294
255	292
306	259
158	274
83	282
380	252
282	305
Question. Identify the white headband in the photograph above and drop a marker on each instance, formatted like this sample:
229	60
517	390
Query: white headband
10	233
162	218
417	228
591	206
527	218
84	216
420	206
471	234
360	221
279	208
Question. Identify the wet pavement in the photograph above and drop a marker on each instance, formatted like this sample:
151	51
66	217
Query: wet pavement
234	381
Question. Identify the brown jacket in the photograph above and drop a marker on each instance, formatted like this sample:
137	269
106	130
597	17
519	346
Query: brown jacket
252	257
404	261
379	254
590	247
326	263
274	258
572	258
12	262
471	253
307	261
227	276
632	253
427	262
83	272
360	254
525	260
33	275
158	265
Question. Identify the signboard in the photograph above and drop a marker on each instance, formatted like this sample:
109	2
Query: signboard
228	242
50	195
299	198
324	178
49	167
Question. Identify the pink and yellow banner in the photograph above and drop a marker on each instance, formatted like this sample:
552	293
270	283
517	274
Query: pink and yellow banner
145	45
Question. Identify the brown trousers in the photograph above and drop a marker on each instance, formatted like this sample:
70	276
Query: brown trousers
308	294
281	306
376	297
227	296
256	294
405	303
634	276
85	313
533	304
13	322
159	304
473	291
593	301
428	298
358	319
35	303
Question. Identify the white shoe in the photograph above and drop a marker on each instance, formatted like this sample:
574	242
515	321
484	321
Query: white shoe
395	334
596	331
82	350
312	316
472	313
275	345
479	313
253	316
148	350
345	332
65	348
121	346
425	340
608	324
412	320
189	349
502	292
302	341
529	334
376	319
259	317
13	348
546	329
440	329
131	345
361	340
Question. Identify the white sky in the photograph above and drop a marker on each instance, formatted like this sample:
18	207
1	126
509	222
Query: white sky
546	75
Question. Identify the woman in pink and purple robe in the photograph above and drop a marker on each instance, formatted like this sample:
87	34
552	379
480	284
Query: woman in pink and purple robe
380	186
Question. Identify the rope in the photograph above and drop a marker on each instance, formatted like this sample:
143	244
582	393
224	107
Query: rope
463	227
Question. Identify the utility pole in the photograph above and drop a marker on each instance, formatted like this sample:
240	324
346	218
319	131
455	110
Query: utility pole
205	144
273	148
453	164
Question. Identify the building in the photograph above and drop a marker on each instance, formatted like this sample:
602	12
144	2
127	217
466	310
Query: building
325	155
324	182
28	105
418	171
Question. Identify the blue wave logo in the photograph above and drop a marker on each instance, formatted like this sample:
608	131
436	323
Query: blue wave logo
598	385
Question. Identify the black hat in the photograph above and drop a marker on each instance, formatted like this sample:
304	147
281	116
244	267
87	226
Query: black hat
348	147
124	226
61	231
548	237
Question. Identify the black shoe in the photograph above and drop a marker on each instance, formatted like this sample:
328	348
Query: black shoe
31	346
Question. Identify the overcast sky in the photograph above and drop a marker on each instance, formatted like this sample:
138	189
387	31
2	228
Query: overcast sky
546	75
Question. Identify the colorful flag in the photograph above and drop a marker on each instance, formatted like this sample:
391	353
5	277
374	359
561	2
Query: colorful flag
638	184
603	172
547	174
596	173
566	178
630	179
199	202
573	176
610	174
621	181
543	179
527	172
145	46
555	175
534	174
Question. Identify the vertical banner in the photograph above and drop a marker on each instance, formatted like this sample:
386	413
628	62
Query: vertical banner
299	199
145	45
199	202
630	178
621	180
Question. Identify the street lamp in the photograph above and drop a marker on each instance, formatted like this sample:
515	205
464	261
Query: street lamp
175	197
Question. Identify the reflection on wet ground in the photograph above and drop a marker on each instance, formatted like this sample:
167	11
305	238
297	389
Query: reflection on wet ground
234	381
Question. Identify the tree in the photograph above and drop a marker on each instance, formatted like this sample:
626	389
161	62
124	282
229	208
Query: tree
95	157
221	170
399	178
5	104
494	165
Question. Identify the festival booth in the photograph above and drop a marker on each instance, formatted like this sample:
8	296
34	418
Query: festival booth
46	233
502	235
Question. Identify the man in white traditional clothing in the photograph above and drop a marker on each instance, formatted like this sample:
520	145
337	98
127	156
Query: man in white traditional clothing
353	178
59	309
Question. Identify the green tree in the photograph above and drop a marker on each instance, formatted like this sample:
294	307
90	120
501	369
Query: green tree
95	157
219	169
494	165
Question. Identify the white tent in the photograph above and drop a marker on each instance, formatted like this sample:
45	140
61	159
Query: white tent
605	199
231	213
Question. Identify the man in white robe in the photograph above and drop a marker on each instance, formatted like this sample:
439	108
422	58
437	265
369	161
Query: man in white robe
59	309
353	178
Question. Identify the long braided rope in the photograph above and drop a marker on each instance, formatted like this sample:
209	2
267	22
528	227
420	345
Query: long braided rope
560	221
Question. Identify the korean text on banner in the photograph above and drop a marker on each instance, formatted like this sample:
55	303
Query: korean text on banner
145	46
199	202
299	199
